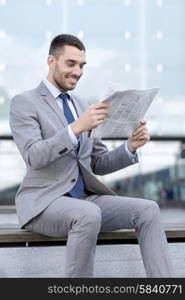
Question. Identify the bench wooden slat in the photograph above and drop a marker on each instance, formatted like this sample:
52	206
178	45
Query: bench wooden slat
18	235
11	234
7	209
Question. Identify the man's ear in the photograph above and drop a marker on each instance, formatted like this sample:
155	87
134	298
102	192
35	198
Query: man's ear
50	60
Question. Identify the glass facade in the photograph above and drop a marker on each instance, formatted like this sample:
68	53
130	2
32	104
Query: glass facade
130	44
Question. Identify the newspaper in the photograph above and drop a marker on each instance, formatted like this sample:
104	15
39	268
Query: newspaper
127	109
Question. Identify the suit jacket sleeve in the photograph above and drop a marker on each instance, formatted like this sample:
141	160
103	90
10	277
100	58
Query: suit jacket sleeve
105	162
26	129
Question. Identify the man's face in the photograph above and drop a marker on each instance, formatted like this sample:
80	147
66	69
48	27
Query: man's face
67	68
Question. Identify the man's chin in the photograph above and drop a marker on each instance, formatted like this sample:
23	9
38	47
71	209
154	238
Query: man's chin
72	86
67	88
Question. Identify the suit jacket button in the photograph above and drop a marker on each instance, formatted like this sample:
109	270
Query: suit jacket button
63	151
73	180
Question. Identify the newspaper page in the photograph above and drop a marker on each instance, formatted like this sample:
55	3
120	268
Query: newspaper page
127	109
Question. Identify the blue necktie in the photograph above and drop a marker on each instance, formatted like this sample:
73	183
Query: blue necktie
78	189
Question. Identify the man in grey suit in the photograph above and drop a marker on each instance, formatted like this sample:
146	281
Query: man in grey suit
60	195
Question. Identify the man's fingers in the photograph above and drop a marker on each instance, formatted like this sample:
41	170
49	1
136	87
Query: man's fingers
102	105
143	122
143	132
142	136
140	127
138	130
100	111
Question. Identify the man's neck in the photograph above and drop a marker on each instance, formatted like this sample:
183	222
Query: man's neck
55	90
55	84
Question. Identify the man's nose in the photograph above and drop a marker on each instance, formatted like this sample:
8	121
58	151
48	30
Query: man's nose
77	71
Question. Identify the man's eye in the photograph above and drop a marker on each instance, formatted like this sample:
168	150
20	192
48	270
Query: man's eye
70	64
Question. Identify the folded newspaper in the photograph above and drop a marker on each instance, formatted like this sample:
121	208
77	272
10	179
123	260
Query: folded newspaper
127	109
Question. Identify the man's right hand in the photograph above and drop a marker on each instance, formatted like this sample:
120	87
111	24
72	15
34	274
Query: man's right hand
93	116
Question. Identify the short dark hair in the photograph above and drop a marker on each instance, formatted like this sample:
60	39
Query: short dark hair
62	40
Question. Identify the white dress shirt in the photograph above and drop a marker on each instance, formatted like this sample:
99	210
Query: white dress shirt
56	92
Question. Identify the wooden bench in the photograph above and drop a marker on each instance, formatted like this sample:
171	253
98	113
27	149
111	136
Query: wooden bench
12	236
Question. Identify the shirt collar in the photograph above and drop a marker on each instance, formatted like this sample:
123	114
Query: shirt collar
53	89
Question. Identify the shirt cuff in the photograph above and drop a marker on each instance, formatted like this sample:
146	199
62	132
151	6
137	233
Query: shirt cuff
131	155
73	137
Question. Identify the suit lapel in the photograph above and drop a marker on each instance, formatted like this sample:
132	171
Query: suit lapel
52	102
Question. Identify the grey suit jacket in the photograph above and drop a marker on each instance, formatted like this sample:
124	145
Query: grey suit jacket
40	132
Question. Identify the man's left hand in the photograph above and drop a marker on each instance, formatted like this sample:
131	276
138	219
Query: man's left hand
139	137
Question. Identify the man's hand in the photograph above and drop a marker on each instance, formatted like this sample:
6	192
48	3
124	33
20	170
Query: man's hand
139	137
93	116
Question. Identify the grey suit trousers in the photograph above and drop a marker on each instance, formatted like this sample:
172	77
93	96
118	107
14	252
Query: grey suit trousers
82	220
